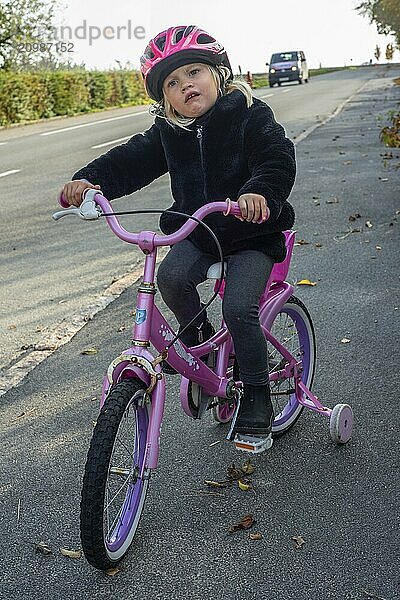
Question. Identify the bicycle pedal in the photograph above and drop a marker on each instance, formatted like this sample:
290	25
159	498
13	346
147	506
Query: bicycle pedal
252	443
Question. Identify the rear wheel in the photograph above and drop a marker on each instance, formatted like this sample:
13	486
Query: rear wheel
293	328
113	491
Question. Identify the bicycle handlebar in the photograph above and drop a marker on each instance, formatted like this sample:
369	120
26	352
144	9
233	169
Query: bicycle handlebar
89	211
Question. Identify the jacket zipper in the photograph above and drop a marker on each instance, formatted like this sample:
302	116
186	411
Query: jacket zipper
200	138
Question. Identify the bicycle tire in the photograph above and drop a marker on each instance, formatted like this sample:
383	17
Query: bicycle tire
104	545
296	320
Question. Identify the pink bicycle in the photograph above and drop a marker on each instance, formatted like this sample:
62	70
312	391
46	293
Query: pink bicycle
124	448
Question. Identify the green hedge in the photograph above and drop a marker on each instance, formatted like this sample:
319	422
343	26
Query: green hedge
30	96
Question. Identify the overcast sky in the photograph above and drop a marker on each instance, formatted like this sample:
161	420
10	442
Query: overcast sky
330	32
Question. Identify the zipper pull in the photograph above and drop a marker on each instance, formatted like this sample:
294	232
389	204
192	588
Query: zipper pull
200	131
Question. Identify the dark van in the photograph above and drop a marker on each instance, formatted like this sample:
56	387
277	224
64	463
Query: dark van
287	66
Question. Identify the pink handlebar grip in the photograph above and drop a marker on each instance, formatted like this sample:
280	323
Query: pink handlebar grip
62	201
234	209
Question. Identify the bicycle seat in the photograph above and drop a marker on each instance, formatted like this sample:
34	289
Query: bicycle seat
214	271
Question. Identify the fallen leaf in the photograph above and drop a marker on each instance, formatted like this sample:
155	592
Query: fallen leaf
383	178
315	197
248	468
347	162
90	351
113	571
298	541
71	553
121	329
43	548
214	443
318	245
62	301
215	484
333	201
43	347
368	224
378	247
255	536
306	282
345	340
245	523
234	472
12	327
244	484
301	243
316	202
354	217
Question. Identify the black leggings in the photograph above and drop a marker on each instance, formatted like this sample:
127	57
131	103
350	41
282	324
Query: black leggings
185	267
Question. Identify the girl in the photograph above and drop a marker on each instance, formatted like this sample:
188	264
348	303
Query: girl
216	141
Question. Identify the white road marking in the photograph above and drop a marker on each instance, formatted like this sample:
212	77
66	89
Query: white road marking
3	143
267	96
142	112
111	142
9	172
284	91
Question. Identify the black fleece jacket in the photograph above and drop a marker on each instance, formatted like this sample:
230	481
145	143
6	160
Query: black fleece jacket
231	150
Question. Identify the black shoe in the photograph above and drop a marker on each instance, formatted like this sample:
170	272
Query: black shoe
256	413
193	336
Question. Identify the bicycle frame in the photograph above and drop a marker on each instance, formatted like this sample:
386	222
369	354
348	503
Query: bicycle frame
151	327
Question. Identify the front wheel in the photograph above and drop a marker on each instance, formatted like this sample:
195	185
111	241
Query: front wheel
115	482
293	328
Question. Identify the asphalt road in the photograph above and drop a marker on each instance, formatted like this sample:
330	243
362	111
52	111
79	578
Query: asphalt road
51	271
343	501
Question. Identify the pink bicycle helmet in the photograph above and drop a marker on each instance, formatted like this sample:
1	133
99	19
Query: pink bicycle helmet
175	47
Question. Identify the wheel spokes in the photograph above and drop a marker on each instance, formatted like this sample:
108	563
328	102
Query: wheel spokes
117	492
285	331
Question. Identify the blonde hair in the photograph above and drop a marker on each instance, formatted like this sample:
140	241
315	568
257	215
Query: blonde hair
220	74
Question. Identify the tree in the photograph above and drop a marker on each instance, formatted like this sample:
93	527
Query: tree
385	14
377	53
26	28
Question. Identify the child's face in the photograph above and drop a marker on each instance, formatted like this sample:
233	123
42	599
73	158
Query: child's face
194	79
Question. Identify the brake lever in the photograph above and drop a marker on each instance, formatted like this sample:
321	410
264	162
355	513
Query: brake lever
88	210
